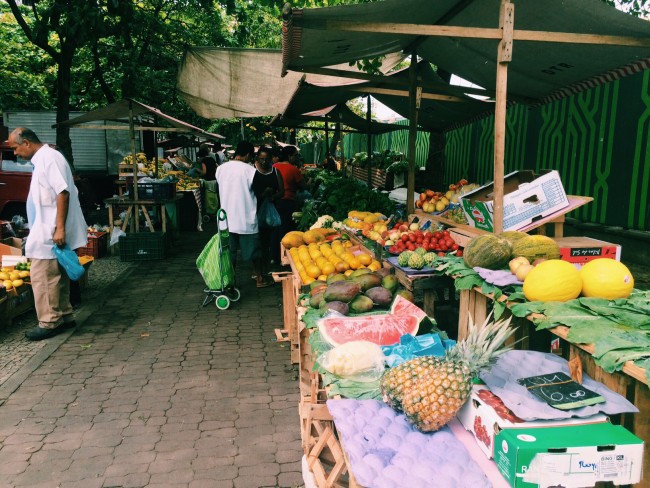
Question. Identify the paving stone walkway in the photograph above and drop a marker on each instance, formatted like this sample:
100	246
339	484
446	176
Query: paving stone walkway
154	390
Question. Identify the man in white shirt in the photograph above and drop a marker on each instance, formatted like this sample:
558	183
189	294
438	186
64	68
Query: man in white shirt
55	218
234	182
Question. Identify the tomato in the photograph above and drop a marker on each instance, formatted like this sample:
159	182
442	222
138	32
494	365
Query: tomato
405	237
419	233
411	237
454	247
427	234
445	233
437	235
443	246
431	247
459	253
410	246
392	249
441	254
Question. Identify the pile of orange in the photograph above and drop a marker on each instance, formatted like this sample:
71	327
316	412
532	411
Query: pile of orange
318	261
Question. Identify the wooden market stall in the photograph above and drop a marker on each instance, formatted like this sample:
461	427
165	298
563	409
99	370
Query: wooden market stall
555	50
131	115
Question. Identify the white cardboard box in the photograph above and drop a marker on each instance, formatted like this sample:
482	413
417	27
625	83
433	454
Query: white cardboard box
485	416
525	199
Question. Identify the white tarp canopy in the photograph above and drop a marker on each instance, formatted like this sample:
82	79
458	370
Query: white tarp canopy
221	83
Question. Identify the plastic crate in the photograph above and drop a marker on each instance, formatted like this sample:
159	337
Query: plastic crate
158	192
97	245
143	246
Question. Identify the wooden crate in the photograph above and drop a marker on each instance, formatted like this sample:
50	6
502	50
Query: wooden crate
292	312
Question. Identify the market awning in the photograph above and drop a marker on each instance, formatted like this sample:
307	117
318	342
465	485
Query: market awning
540	66
121	111
438	111
340	113
227	82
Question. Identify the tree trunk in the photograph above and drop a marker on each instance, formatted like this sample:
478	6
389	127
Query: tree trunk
63	80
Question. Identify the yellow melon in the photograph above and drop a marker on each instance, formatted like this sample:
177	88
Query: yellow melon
553	280
606	278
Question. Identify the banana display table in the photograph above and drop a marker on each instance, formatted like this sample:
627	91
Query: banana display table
133	207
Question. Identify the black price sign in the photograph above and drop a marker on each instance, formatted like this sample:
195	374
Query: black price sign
560	391
586	251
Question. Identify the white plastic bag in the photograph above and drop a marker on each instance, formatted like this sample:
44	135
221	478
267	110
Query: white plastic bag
115	235
361	361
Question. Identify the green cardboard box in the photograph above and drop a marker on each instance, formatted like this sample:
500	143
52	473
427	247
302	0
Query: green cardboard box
569	456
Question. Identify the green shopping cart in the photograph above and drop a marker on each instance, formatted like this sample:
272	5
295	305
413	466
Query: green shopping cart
215	266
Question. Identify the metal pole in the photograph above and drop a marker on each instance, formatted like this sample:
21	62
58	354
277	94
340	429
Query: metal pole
136	217
415	92
369	146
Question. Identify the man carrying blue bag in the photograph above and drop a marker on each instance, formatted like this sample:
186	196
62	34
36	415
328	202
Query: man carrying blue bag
55	218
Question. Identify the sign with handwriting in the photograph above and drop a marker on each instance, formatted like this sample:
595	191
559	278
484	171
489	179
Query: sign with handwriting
560	391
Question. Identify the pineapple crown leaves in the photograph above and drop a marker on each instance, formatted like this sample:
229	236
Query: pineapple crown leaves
483	344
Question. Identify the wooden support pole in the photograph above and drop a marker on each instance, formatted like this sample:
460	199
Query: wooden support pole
415	93
504	56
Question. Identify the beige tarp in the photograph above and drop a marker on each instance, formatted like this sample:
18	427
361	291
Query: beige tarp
221	83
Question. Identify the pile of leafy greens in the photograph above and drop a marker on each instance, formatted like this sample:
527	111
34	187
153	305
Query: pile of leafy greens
335	194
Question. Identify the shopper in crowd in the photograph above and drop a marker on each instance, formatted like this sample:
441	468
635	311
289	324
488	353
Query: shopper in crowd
293	181
267	186
219	152
235	186
55	219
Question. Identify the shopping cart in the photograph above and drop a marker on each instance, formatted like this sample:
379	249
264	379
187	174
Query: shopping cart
211	199
215	266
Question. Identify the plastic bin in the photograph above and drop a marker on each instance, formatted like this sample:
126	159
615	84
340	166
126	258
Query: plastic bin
97	245
143	246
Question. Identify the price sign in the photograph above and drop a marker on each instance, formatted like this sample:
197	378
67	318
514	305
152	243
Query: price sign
560	391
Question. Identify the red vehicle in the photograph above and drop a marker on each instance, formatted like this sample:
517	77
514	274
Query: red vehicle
15	177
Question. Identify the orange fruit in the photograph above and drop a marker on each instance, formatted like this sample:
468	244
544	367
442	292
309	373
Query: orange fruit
313	270
327	268
364	258
341	267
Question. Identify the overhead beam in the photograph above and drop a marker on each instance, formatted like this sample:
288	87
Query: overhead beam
126	127
406	93
484	33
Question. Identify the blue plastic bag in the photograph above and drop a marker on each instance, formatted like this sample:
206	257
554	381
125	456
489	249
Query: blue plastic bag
268	215
69	260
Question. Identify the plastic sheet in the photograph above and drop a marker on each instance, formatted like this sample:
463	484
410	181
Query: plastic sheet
410	347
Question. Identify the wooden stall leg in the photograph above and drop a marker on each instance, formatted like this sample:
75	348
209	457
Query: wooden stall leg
429	298
146	216
472	304
641	423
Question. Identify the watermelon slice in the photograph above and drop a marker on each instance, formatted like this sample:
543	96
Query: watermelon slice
401	306
383	330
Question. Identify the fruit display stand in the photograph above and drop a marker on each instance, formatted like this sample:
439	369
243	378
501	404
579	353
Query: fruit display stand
631	382
15	303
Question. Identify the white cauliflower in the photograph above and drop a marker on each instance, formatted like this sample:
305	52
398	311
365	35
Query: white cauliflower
323	221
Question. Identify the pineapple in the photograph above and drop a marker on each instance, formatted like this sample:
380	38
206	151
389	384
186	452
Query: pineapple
430	389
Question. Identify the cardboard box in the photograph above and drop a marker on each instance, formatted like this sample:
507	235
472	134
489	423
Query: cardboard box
526	199
486	416
581	250
11	246
570	457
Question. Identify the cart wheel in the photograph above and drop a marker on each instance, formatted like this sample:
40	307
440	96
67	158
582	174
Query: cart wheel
222	302
235	295
206	218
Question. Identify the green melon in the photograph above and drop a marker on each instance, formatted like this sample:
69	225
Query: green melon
512	236
536	247
487	251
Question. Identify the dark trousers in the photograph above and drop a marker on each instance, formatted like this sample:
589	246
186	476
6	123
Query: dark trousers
285	209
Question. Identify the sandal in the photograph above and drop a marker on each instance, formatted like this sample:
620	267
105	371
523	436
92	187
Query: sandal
264	283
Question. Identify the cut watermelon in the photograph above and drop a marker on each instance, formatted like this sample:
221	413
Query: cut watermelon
383	330
401	306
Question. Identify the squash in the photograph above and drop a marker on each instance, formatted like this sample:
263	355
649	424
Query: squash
534	247
606	278
487	251
553	281
512	235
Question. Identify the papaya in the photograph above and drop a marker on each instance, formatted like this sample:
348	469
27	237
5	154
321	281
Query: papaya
390	282
336	277
312	236
359	272
292	239
361	304
342	291
379	295
366	281
316	299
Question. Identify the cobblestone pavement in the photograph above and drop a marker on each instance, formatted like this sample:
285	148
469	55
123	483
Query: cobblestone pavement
154	390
